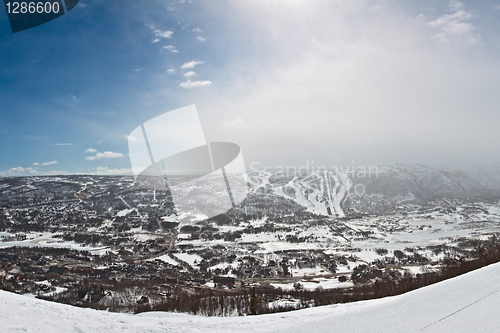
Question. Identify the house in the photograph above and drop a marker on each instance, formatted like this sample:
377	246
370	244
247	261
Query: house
143	300
59	270
228	281
124	252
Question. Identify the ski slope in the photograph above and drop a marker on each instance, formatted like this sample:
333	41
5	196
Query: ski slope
468	303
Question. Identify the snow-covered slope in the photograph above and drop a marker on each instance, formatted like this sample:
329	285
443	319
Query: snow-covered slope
380	190
429	184
468	303
320	191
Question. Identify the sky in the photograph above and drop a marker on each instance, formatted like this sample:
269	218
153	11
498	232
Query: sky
334	83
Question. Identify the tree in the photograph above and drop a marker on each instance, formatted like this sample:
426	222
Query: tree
254	302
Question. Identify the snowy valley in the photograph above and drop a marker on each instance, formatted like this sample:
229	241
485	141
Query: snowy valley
106	243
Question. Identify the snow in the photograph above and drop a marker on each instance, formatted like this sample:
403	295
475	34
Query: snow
282	246
170	218
191	259
183	236
312	284
367	256
124	212
46	240
300	272
143	237
167	259
393	233
416	269
494	210
309	191
256	238
223	265
229	228
57	291
468	303
258	222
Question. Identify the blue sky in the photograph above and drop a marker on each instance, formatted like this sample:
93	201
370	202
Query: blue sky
371	82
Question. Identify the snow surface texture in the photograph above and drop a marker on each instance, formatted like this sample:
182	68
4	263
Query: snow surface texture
468	303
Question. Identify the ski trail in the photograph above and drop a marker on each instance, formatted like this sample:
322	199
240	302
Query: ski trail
465	307
130	207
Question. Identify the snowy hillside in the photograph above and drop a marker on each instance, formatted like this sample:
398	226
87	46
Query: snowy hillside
468	303
376	190
320	191
428	183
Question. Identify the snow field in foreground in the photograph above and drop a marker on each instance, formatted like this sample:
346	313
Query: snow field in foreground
468	303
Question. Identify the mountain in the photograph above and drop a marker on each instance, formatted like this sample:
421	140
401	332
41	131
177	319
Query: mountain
321	191
467	303
377	190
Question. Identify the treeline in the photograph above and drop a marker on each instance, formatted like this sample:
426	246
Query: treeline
262	300
89	238
208	302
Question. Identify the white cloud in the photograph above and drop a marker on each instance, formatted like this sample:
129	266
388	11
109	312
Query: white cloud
354	84
159	34
18	171
194	84
191	64
46	163
171	48
455	26
61	144
163	34
197	29
201	39
106	154
171	71
455	5
137	70
90	151
22	172
189	74
111	172
234	125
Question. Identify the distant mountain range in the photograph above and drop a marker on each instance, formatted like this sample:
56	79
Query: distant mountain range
380	190
301	195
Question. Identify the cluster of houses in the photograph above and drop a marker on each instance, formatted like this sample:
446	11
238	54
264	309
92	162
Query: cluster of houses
41	270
